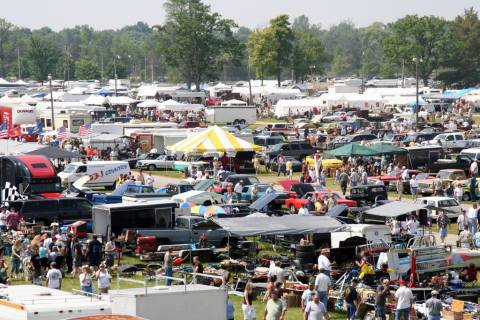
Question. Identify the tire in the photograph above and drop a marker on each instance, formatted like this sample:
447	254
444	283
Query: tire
466	196
305	255
152	167
292	209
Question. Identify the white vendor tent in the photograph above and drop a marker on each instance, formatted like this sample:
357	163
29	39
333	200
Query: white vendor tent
284	107
95	100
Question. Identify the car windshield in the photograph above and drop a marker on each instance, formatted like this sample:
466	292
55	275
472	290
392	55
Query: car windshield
444	175
70	168
447	203
422	175
263	188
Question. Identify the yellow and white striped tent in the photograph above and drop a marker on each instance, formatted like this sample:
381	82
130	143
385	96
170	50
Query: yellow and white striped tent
214	139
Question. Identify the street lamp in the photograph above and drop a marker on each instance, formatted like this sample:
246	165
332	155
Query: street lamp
417	107
51	100
115	72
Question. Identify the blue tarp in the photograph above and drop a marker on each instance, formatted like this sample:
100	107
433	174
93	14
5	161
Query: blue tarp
456	94
104	91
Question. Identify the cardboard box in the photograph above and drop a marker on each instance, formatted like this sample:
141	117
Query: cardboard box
450	315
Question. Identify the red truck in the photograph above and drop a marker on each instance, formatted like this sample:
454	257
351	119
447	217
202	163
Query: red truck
294	204
17	116
33	175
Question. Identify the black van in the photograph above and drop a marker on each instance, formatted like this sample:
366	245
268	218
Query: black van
63	210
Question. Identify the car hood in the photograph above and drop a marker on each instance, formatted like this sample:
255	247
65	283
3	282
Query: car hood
263	201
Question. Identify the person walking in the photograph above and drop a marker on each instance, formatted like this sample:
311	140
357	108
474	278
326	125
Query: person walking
462	222
289	169
308	295
352	299
238	190
149	180
414	187
404	298
343	179
247	304
443	223
383	292
168	264
94	252
54	277
458	191
16	259
434	306
473	187
472	220
316	310
86	284
274	310
322	284
103	279
280	165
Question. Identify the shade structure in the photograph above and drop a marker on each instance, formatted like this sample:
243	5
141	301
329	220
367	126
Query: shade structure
353	150
149	104
387	148
213	140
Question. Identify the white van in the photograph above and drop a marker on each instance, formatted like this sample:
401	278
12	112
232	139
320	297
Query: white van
101	173
473	153
450	204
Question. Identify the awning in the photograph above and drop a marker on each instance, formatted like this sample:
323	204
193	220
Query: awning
53	153
290	224
387	148
352	150
213	140
395	209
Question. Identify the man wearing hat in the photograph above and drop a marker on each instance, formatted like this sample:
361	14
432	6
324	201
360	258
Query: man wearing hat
404	298
434	307
324	262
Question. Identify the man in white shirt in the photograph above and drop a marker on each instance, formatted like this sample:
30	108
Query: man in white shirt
404	298
277	271
3	219
308	295
412	225
324	262
322	283
462	222
303	211
54	277
316	310
414	187
404	174
472	219
238	190
149	180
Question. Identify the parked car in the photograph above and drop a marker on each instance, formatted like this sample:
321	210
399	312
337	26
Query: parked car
353	138
189	229
368	194
392	177
188	124
272	165
63	210
425	186
161	162
267	141
296	149
328	164
176	188
451	205
294	204
132	163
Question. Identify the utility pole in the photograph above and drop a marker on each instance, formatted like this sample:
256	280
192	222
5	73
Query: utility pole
115	74
151	70
51	100
145	70
403	73
417	107
18	64
101	69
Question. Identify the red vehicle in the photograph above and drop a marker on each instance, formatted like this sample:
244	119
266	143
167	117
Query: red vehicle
31	174
394	176
294	204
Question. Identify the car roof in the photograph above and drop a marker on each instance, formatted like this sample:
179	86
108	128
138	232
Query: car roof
436	198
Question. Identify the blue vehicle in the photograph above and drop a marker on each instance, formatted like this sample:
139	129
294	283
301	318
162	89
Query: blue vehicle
246	195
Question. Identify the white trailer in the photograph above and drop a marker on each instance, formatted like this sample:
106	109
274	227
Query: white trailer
231	114
29	302
371	232
193	302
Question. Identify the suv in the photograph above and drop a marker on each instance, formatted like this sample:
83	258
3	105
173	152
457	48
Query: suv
368	194
426	186
63	210
296	149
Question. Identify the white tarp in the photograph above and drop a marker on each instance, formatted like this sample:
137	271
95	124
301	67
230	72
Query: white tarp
149	104
395	209
95	100
283	107
121	100
289	224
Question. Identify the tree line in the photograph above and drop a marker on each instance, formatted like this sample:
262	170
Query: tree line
195	45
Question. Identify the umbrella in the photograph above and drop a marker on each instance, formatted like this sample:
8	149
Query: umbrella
198	210
352	150
387	148
213	211
186	205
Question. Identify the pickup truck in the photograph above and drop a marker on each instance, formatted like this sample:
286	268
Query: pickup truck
189	229
461	161
454	141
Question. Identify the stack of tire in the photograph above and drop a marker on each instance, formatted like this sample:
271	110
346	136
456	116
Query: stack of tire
305	254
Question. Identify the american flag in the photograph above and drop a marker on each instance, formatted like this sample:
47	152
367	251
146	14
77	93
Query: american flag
4	130
62	133
85	130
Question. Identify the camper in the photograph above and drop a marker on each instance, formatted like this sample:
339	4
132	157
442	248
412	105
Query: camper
372	233
101	173
30	302
234	114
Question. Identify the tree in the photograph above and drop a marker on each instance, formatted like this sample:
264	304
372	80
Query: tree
463	61
423	38
283	37
87	69
5	31
193	39
262	50
309	54
372	55
43	56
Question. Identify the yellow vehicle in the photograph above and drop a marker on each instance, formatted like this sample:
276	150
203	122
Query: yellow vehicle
329	165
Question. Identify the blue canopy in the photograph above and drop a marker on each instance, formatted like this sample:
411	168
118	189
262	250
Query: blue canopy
104	92
38	95
456	94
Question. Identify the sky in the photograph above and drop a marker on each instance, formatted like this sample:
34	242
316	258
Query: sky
113	14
